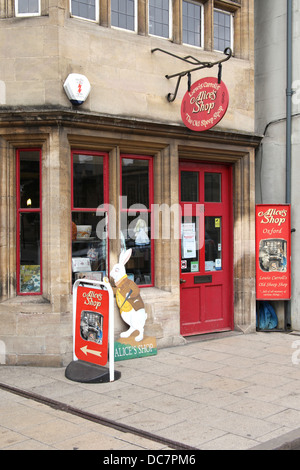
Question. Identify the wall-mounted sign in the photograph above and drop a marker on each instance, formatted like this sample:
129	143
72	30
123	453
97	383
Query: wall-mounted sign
273	252
205	104
77	88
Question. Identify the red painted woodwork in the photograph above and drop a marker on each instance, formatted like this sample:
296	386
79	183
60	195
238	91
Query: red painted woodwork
208	307
21	210
139	208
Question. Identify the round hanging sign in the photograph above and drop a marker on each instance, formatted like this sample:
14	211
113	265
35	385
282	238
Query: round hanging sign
205	105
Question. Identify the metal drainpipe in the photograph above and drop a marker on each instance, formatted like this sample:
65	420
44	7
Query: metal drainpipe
289	93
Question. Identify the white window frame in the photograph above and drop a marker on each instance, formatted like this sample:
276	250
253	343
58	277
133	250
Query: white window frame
27	14
82	17
170	22
135	20
231	28
202	25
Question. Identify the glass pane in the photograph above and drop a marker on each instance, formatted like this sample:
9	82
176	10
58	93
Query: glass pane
136	234
189	186
89	245
28	6
222	30
33	6
122	14
191	23
30	278
29	180
190	245
84	8
213	243
213	191
135	182
159	17
88	181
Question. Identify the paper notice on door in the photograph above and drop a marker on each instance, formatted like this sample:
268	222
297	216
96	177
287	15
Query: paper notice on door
194	266
218	264
188	245
188	227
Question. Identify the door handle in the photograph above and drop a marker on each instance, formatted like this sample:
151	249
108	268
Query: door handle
182	281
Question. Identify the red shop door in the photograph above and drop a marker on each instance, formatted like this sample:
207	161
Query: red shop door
206	280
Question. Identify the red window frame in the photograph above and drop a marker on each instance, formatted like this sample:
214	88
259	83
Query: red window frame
20	211
149	210
104	155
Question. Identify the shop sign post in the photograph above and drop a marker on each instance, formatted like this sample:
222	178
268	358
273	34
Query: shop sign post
93	332
273	252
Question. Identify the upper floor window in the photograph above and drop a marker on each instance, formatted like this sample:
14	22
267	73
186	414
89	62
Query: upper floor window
123	14
223	30
159	18
189	22
87	9
192	19
27	7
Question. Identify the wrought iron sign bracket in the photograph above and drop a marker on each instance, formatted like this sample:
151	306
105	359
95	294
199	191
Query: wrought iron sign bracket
199	65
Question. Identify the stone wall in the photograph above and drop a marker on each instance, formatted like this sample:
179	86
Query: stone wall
38	53
126	111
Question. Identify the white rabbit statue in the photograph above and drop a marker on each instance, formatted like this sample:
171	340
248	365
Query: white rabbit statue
128	298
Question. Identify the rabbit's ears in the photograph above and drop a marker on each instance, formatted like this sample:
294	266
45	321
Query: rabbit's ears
124	256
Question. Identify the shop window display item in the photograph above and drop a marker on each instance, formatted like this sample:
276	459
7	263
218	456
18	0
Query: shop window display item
30	279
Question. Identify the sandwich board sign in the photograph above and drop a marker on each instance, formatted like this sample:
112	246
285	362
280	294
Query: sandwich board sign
93	332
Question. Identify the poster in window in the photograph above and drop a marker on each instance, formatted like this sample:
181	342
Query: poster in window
30	279
273	252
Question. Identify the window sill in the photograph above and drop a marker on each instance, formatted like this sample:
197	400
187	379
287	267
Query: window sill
27	304
150	293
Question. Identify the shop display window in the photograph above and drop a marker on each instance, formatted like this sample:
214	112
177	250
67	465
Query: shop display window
136	216
89	215
29	222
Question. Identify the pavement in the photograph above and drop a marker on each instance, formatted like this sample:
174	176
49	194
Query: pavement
218	392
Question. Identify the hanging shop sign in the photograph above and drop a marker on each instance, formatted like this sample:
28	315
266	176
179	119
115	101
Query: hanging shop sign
205	104
273	252
77	88
93	322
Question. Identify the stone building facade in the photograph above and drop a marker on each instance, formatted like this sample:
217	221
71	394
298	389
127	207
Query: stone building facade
131	139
